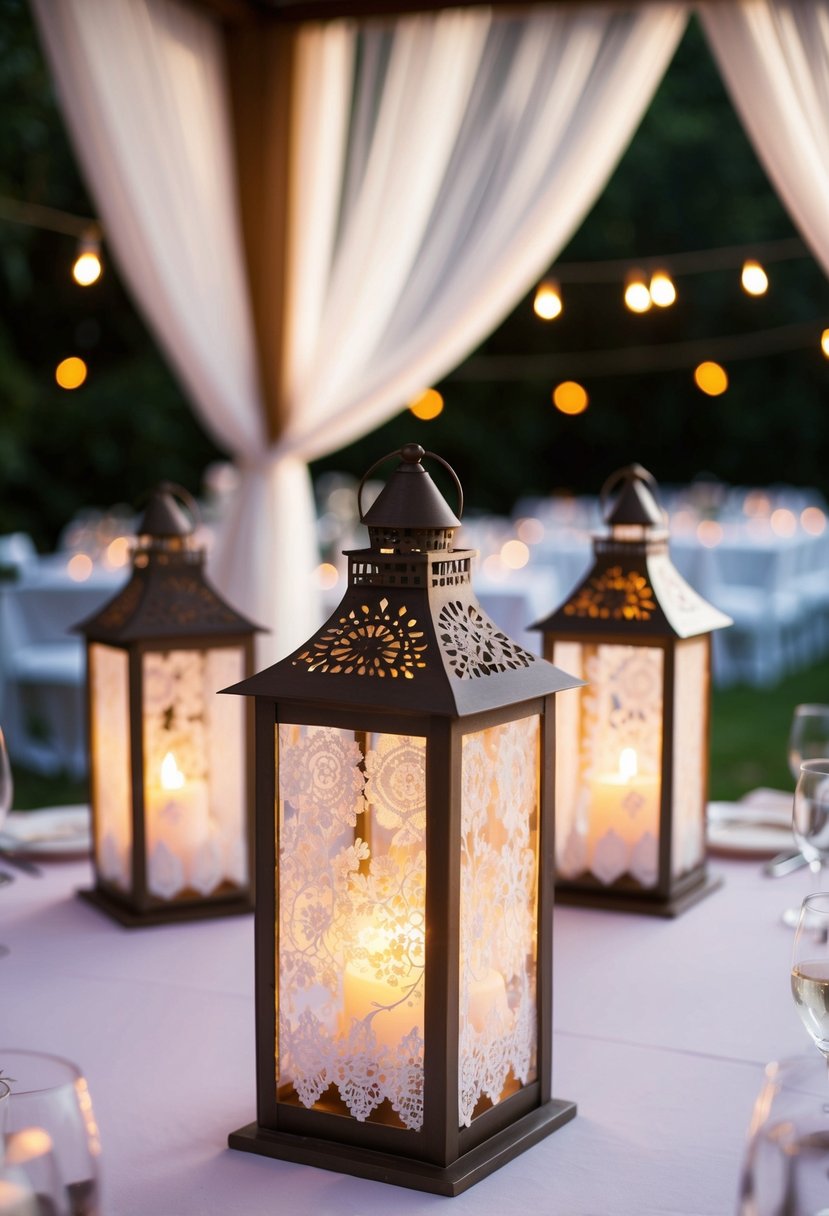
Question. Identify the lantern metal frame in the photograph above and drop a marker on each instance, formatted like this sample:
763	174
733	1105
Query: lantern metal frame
411	558
167	605
634	597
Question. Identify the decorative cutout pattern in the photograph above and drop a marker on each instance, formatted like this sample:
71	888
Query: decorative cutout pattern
352	899
499	911
614	595
474	645
381	640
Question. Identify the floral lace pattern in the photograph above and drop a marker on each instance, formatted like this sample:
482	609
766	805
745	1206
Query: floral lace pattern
475	646
499	910
352	897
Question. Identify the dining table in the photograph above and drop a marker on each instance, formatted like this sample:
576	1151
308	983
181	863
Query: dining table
662	1029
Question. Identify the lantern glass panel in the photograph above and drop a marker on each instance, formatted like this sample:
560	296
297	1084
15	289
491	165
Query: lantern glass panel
194	772
690	759
499	914
351	895
609	761
111	772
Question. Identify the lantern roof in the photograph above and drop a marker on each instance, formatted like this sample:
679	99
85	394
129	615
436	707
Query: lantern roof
168	595
409	635
633	587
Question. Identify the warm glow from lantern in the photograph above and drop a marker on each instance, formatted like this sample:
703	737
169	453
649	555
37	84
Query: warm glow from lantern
71	372
637	296
427	405
87	269
813	521
569	397
530	530
711	378
783	522
709	533
171	776
628	763
547	303
662	290
117	553
79	567
514	554
327	576
755	281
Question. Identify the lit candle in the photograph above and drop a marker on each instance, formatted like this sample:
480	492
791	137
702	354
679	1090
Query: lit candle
397	1008
177	812
625	802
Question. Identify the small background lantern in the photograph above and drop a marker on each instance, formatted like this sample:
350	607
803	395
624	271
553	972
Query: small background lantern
632	774
404	855
171	808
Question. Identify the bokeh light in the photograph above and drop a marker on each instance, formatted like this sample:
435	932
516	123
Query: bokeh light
327	576
783	522
570	397
87	269
711	378
71	373
514	554
547	303
813	521
754	280
117	553
662	290
427	405
530	530
79	567
824	342
709	533
637	296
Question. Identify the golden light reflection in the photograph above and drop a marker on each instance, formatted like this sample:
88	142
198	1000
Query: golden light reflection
71	373
570	397
709	533
79	567
547	303
711	378
427	405
813	521
754	280
514	554
662	290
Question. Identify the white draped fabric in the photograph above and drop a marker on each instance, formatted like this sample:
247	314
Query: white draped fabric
441	163
774	58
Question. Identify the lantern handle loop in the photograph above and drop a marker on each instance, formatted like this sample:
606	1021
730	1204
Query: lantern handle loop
412	453
186	498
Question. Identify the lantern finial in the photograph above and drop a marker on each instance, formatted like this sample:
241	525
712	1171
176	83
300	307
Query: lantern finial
628	498
163	517
410	515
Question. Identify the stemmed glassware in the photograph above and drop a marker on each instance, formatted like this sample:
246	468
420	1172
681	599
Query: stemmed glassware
810	969
808	736
808	749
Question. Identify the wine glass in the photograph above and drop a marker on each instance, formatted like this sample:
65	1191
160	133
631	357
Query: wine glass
810	822
810	969
50	1095
808	735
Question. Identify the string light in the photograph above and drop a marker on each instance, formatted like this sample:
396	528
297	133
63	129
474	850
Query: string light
427	405
547	303
754	280
87	267
662	290
637	297
569	397
70	373
711	378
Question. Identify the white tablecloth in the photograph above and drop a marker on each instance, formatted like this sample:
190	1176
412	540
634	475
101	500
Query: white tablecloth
661	1028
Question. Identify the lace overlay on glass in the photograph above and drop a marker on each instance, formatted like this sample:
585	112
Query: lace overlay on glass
111	770
608	785
690	743
194	793
499	908
352	898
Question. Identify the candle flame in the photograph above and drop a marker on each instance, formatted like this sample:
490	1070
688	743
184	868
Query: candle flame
628	763
172	778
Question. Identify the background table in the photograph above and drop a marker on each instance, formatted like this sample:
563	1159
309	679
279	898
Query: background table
662	1029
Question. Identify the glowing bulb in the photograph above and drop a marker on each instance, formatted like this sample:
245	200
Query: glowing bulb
79	567
637	296
824	342
711	378
570	398
547	303
754	279
628	763
87	269
427	405
71	373
172	778
662	290
514	554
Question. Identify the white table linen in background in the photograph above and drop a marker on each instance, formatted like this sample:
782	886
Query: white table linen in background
661	1032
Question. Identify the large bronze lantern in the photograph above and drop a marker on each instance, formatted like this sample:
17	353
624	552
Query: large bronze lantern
404	768
169	759
631	781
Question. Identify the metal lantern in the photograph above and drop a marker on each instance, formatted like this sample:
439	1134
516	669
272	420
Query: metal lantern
631	782
171	808
404	768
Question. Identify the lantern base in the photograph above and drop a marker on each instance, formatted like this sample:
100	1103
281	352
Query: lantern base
168	915
619	901
403	1171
